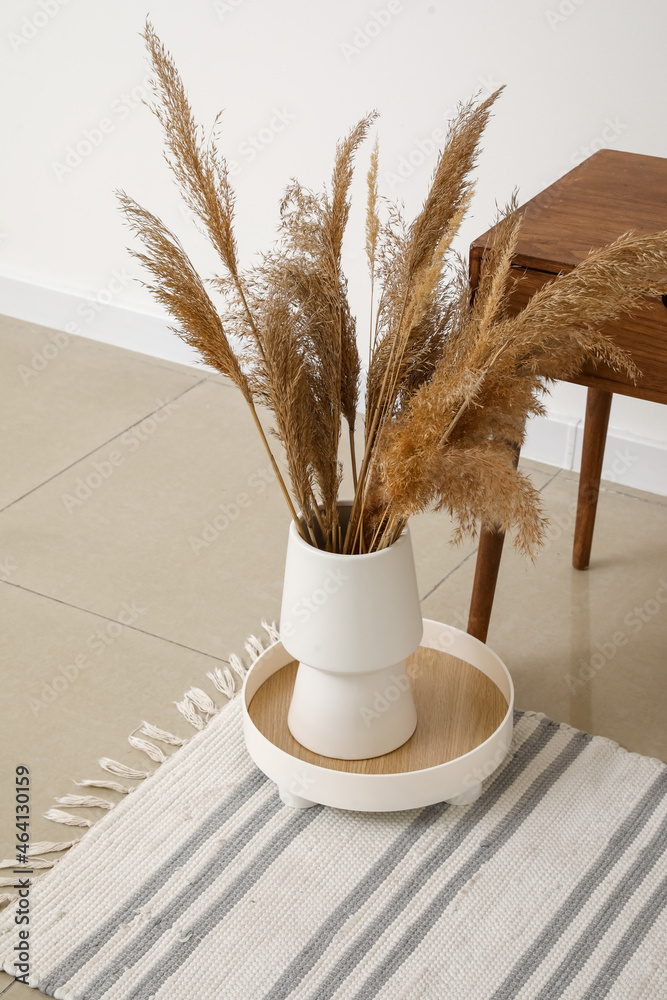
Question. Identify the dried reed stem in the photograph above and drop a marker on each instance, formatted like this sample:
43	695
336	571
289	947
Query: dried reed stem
451	380
278	474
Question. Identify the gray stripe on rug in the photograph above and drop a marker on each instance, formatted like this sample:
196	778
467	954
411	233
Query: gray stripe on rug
88	948
315	948
608	912
624	836
174	959
629	943
152	931
382	870
418	930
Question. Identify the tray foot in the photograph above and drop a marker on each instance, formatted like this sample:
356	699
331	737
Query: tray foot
465	798
294	801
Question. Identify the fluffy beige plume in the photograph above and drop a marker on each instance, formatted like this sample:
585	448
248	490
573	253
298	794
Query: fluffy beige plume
451	381
177	286
199	169
412	257
450	183
372	215
490	378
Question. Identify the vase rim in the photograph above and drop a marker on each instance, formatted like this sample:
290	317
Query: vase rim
296	539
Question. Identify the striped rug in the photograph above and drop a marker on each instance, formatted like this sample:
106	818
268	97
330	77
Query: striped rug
201	884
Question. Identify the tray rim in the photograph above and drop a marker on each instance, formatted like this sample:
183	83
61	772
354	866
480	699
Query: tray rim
357	777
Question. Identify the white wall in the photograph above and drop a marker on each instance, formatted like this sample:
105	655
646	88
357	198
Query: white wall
580	74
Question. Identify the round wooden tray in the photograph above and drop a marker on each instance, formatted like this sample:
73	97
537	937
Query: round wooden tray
464	699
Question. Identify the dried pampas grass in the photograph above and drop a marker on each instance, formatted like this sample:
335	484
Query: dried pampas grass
451	377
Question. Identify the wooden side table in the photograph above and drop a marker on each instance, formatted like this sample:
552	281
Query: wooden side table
602	198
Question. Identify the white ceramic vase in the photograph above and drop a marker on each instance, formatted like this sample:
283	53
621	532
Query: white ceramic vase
350	621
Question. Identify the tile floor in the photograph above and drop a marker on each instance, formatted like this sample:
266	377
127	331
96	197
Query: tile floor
117	593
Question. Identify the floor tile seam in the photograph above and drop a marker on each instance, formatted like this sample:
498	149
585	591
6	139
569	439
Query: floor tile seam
447	576
108	618
99	447
540	490
574	478
549	480
630	496
463	561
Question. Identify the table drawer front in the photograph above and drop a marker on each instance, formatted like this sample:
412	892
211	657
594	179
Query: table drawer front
643	335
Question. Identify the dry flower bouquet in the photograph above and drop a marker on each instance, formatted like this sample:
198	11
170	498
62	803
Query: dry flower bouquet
450	381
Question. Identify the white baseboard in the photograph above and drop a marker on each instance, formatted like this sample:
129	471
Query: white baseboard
93	317
556	439
640	463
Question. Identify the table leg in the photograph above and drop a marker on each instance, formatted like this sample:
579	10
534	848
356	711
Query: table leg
598	404
486	574
484	587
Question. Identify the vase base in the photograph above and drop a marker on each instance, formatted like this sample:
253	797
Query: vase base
350	716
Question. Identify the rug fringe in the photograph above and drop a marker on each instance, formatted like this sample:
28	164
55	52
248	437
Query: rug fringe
148	748
58	816
115	786
5	883
186	709
84	801
254	647
195	700
202	701
237	664
161	734
122	770
271	630
35	863
224	681
48	847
